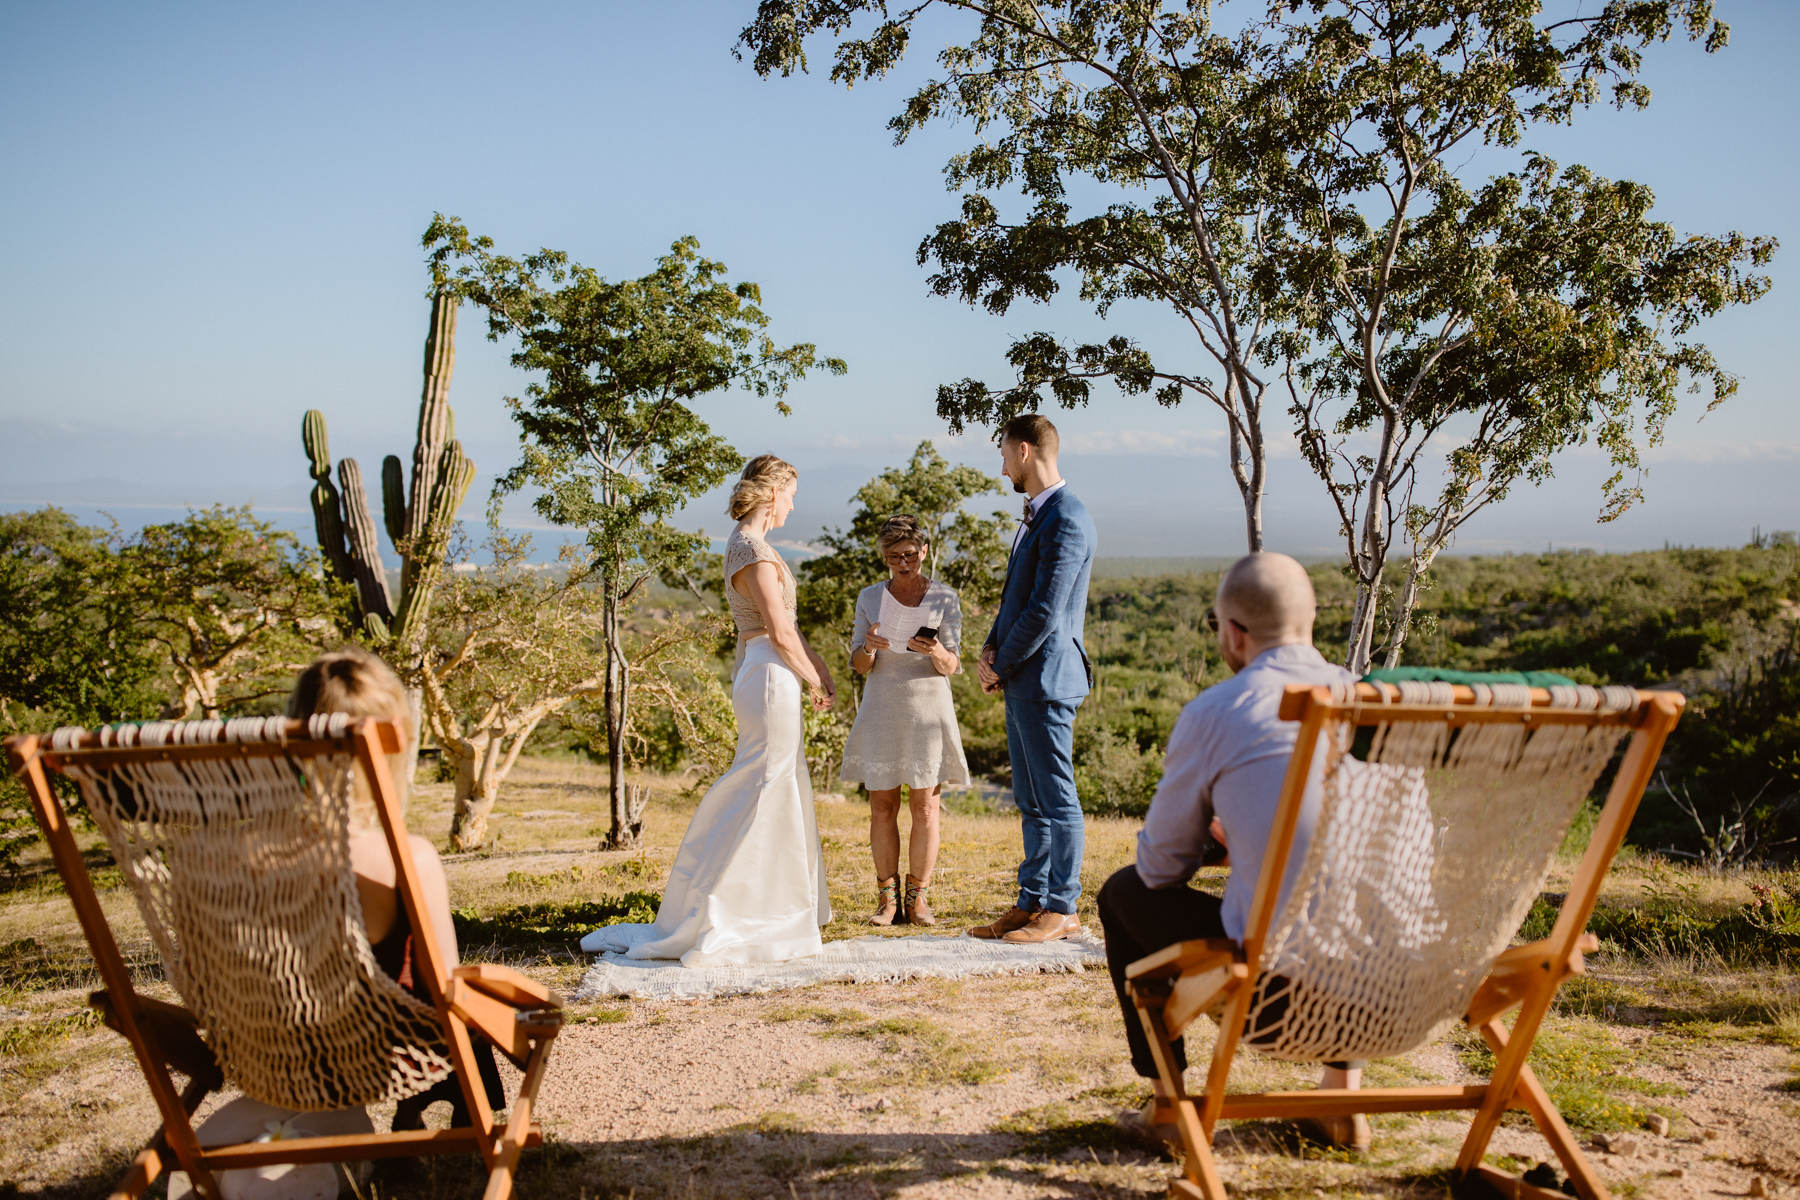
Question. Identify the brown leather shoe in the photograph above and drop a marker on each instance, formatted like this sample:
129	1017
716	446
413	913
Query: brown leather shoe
1340	1133
1044	926
1153	1128
1013	918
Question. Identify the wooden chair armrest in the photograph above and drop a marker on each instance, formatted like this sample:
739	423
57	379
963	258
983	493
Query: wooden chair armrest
507	1008
507	985
1180	957
1519	969
173	1032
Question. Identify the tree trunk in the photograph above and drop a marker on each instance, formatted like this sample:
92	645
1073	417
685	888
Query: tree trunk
1250	479
1369	558
1404	603
1253	521
415	704
628	818
1362	626
626	823
476	789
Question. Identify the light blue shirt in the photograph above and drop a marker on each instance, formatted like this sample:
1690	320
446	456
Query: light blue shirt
1228	756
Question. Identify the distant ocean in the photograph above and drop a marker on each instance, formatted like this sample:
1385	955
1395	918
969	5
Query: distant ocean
546	543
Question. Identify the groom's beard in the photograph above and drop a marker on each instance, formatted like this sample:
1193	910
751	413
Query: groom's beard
1019	486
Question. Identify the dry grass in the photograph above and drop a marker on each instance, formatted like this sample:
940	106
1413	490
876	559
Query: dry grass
993	1087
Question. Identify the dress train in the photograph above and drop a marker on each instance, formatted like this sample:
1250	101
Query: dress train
748	884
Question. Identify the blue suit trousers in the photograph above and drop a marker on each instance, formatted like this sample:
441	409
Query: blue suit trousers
1040	736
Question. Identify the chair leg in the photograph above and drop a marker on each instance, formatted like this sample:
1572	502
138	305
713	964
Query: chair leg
1200	1171
518	1126
1509	1056
1551	1124
145	1169
149	1164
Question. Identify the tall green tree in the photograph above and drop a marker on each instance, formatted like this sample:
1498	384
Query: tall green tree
610	443
968	551
1304	189
1449	335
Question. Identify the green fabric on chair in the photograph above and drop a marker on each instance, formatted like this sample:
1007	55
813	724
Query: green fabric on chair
1536	679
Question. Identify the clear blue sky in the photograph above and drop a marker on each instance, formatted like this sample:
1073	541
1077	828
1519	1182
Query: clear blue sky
211	215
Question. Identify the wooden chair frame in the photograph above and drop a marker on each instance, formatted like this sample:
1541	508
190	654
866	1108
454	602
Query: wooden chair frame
518	1015
1181	982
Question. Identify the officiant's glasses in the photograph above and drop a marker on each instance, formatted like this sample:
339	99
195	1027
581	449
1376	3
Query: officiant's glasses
897	557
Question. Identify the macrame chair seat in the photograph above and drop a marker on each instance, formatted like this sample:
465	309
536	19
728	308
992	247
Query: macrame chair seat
233	838
1440	810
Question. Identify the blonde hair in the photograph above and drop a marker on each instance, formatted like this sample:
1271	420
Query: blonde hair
355	682
763	476
901	527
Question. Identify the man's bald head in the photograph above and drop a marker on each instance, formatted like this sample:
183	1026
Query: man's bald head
1271	596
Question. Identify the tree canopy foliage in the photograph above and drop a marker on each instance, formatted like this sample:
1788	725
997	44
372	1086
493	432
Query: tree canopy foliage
236	606
1337	198
208	616
67	644
967	551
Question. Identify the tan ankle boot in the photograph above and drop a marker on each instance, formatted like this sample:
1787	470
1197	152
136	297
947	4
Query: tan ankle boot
917	910
887	901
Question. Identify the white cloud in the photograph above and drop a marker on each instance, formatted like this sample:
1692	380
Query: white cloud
898	444
1159	443
1694	450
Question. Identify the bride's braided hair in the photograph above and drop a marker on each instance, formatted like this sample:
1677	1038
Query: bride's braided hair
763	476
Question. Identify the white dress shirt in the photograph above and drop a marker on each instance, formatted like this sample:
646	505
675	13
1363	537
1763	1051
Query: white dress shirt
1036	503
1228	756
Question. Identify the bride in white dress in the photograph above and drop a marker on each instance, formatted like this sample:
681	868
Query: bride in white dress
748	884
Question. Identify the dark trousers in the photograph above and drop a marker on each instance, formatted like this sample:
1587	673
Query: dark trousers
1138	921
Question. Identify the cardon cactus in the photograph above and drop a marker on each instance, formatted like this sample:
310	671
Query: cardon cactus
393	497
433	441
418	522
328	521
454	474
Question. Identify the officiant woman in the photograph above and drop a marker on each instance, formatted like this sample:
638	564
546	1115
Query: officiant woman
908	629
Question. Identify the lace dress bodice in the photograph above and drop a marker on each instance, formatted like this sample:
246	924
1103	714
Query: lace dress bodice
742	549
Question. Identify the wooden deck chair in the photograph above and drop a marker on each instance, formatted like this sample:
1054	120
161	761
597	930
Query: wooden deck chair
1439	812
233	839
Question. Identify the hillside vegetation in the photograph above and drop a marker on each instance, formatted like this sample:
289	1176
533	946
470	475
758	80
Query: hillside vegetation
1722	626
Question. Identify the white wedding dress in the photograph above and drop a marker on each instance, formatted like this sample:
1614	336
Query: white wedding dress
748	884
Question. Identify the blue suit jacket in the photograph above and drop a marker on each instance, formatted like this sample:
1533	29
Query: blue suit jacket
1036	637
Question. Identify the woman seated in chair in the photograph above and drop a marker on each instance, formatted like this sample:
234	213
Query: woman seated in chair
354	682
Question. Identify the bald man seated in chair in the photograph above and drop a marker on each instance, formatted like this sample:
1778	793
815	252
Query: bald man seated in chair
1222	779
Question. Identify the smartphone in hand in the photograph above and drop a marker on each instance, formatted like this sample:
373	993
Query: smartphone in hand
928	632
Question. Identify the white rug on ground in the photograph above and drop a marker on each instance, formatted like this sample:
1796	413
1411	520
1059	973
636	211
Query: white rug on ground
873	959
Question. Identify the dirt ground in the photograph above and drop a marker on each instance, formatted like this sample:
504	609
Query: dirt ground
984	1088
991	1088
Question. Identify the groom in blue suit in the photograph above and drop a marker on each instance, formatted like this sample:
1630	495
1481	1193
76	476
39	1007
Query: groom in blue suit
1035	656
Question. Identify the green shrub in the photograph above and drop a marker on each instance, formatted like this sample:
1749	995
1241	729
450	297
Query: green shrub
551	925
1670	919
1113	777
